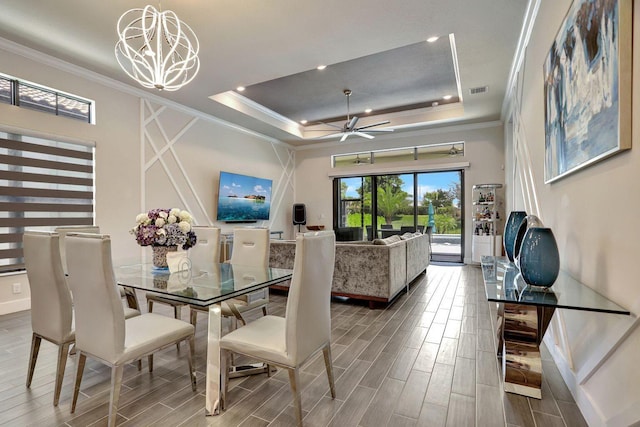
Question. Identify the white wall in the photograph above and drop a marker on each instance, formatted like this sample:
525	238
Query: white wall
206	147
593	214
484	151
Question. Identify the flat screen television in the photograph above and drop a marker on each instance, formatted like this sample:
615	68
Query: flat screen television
243	198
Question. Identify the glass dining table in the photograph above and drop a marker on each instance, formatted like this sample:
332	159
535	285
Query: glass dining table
205	287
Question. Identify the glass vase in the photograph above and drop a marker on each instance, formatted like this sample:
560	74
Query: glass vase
510	232
528	222
539	257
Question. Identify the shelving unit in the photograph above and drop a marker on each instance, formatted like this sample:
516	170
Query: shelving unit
487	221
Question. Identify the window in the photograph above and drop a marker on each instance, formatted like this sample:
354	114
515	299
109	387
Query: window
30	95
379	206
423	152
43	184
5	90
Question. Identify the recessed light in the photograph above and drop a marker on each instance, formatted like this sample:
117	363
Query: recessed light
368	110
321	67
447	97
304	122
433	39
240	88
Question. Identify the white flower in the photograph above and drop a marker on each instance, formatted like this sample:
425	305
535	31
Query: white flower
175	212
147	221
172	219
160	222
141	218
185	217
185	227
163	215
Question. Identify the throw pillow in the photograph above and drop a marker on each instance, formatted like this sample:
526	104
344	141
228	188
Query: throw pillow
389	240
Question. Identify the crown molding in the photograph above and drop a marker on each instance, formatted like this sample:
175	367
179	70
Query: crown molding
257	111
51	61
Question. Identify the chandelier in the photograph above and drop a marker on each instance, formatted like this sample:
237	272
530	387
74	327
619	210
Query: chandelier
157	49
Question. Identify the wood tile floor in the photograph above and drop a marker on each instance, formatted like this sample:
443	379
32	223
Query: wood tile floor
428	359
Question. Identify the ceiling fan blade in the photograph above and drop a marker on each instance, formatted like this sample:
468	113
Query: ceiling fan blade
351	125
364	135
386	122
344	136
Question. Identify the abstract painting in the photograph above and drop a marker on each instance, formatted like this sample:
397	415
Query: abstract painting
587	87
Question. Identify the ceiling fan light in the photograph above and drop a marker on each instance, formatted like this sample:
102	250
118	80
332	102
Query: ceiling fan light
157	49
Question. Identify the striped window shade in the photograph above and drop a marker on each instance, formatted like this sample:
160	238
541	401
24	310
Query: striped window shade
43	184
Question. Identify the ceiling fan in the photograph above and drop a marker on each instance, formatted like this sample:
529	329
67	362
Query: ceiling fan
350	128
358	161
454	151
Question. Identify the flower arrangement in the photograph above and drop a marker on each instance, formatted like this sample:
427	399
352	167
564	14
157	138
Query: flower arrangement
164	227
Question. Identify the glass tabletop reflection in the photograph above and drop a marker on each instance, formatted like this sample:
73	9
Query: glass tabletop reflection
503	283
201	286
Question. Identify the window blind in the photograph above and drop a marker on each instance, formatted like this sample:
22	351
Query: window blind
43	184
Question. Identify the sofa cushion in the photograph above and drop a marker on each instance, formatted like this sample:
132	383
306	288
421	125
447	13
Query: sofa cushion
406	236
387	241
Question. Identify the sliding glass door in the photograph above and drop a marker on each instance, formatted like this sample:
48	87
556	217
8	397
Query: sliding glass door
353	210
403	202
395	207
440	207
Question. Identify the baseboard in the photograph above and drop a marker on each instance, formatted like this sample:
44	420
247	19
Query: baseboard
589	410
15	306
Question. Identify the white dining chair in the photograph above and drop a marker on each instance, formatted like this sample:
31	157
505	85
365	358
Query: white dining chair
51	307
306	328
102	332
250	248
132	301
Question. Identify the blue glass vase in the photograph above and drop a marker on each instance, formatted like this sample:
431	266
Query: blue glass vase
528	222
539	258
510	232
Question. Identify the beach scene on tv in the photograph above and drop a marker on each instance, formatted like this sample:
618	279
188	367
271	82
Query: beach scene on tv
243	198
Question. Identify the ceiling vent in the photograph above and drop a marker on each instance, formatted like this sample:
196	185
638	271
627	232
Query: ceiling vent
478	90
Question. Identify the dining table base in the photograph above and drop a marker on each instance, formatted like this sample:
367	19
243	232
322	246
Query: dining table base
213	380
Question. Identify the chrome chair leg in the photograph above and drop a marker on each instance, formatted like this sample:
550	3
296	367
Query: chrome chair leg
329	366
35	349
116	385
294	379
63	351
76	387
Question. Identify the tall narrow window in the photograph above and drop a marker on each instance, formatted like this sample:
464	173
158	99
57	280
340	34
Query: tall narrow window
43	184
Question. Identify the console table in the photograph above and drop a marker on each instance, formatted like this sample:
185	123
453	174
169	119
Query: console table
524	313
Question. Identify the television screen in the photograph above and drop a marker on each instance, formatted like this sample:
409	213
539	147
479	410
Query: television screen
243	198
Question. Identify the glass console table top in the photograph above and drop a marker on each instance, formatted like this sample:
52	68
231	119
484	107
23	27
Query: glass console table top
503	283
200	286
